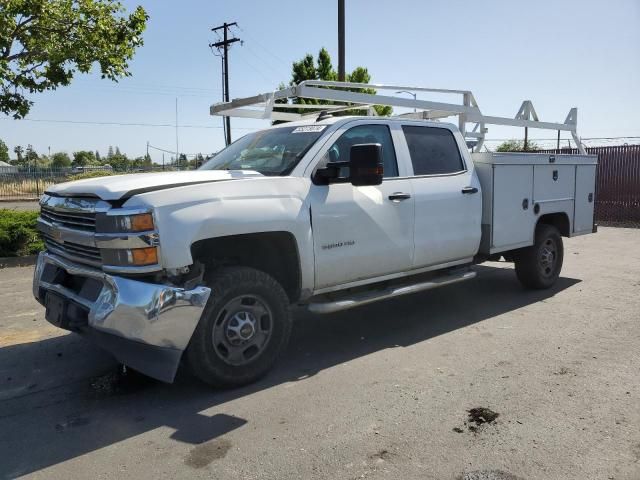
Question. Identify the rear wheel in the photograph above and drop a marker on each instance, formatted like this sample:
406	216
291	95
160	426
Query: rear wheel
539	266
244	327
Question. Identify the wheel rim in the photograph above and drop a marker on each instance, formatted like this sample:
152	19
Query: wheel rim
548	258
242	330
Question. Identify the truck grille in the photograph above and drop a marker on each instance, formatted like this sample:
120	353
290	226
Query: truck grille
68	227
75	220
74	251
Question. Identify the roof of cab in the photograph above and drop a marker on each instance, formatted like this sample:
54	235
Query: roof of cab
331	120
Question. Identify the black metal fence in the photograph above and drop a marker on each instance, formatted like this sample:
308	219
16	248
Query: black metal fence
23	183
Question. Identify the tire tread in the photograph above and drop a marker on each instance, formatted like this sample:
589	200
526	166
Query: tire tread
526	260
199	352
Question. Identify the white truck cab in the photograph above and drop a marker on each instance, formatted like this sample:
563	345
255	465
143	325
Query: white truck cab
327	211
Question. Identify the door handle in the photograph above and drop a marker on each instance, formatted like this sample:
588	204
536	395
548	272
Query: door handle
399	196
468	190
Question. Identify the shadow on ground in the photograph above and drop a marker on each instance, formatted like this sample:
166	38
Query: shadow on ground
59	420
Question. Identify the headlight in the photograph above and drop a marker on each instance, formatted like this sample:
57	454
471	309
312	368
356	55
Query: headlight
140	222
130	257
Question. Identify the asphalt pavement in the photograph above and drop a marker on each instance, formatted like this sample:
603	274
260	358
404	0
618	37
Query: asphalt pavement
383	391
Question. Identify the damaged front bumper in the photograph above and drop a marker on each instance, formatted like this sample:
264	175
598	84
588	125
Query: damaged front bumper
144	325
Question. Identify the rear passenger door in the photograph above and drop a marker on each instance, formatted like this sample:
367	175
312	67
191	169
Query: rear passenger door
448	203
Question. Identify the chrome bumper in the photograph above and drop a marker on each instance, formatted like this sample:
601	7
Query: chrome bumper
153	315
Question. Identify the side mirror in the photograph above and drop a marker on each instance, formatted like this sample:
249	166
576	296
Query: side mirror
365	166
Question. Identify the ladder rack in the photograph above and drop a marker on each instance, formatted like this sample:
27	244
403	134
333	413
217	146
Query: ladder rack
471	121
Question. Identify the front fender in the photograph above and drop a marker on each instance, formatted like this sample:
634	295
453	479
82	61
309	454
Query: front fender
188	214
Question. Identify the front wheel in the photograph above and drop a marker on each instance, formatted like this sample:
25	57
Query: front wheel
539	266
243	329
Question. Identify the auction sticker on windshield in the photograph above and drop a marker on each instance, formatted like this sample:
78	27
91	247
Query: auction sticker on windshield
309	128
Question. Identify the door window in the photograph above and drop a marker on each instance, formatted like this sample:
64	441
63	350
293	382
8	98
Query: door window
340	151
433	150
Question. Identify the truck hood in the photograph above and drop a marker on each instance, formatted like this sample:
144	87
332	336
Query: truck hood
124	186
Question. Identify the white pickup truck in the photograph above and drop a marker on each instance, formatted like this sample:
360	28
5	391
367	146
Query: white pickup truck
328	212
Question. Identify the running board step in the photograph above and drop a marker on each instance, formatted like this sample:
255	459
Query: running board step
364	298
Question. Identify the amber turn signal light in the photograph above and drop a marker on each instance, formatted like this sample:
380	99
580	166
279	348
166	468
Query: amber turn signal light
142	222
144	256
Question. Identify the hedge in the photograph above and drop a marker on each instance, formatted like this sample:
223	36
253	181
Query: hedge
18	234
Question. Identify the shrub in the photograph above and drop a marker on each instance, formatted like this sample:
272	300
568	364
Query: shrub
517	146
18	234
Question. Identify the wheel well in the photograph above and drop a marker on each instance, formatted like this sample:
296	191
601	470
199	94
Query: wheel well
559	220
275	253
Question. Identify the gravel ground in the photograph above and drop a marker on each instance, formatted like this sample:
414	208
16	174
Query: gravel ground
383	391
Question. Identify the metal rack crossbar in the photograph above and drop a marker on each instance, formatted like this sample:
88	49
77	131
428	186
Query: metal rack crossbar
472	122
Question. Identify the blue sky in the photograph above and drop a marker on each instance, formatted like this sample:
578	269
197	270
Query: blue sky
559	54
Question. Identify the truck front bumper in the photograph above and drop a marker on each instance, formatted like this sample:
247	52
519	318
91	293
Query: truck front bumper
144	325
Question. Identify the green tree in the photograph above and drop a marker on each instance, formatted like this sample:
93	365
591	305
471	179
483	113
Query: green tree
31	156
44	161
137	162
517	146
308	69
98	158
118	161
44	43
110	153
18	150
141	162
4	152
60	160
83	158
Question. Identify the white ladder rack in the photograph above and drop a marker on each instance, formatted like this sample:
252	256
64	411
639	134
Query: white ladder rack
469	115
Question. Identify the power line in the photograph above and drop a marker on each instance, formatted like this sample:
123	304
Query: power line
122	124
273	69
255	69
174	153
260	44
130	83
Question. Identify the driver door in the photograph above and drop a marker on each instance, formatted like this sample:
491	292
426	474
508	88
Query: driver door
362	232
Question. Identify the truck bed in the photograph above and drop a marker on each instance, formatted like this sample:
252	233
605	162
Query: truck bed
519	188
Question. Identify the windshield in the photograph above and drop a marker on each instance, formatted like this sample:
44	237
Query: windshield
270	152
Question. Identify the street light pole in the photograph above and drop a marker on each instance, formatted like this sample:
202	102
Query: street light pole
412	94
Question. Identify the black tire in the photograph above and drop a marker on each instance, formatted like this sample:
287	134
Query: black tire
539	266
205	355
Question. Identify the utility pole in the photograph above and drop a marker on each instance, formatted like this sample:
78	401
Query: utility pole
223	48
341	40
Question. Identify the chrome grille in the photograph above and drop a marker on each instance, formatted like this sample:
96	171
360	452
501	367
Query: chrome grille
75	220
68	227
74	251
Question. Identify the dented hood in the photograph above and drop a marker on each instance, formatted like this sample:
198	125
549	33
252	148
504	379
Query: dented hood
124	186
